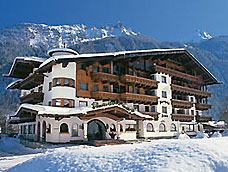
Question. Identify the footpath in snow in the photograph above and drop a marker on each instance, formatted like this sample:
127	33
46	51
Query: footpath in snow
193	155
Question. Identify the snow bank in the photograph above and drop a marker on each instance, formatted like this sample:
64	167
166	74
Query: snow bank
201	135
159	155
225	133
182	136
216	134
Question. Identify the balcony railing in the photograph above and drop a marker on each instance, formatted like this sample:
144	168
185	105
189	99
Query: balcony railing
204	118
33	98
202	106
100	95
139	80
100	76
32	81
140	98
181	103
190	91
182	117
175	73
153	114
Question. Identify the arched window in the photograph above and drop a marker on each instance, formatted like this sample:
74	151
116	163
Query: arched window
121	128
112	128
64	128
74	130
149	128
162	127
173	127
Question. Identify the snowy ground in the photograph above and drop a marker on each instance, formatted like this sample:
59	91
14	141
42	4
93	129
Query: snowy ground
158	155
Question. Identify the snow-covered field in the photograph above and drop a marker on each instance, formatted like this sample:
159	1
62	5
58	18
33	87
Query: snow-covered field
158	155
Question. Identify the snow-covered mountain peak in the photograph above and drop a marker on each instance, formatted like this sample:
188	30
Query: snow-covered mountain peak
204	35
55	36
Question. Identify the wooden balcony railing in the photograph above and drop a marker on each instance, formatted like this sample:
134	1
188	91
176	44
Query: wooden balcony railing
190	91
182	117
153	114
201	106
32	81
32	98
181	103
131	97
100	95
175	73
100	76
204	118
139	80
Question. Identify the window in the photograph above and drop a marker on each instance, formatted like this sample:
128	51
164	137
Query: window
106	70
50	86
164	95
122	89
192	99
163	79
95	87
82	67
72	83
164	109
136	107
197	113
24	129
153	93
173	127
66	103
64	128
121	128
58	102
162	127
34	128
136	90
147	109
130	127
74	130
112	128
40	89
49	103
192	112
66	82
153	77
49	128
95	69
153	109
83	103
149	128
83	86
105	88
58	82
72	103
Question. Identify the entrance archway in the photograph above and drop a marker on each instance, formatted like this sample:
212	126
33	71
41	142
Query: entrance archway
96	130
38	131
44	128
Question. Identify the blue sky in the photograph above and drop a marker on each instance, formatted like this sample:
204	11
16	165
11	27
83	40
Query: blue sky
164	20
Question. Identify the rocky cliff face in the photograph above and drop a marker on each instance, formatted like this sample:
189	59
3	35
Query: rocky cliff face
28	39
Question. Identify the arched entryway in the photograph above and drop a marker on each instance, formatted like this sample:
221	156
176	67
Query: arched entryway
44	128
38	131
96	130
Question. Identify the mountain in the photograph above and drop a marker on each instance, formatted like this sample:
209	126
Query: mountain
27	39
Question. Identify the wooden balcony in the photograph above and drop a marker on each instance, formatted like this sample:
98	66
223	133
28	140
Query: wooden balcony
100	95
181	103
153	114
182	117
32	98
190	91
204	118
144	82
175	73
107	77
201	106
32	81
139	98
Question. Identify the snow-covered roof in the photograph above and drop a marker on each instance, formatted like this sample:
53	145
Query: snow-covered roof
58	51
50	110
24	60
